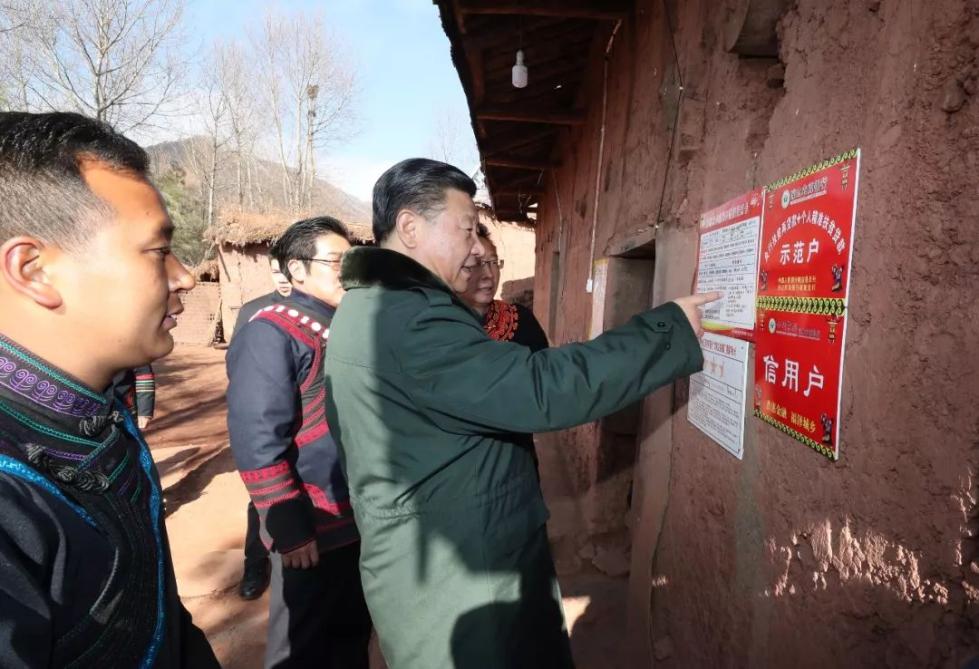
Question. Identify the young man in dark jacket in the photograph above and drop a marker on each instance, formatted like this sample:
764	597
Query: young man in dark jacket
88	288
289	462
257	570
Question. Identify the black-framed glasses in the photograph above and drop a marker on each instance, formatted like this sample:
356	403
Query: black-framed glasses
329	263
495	262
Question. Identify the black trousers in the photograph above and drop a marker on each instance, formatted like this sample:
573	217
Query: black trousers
255	550
318	616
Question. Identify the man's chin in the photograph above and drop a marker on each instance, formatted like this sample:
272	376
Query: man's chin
163	345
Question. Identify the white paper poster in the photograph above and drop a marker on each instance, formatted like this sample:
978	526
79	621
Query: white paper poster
598	286
717	394
728	261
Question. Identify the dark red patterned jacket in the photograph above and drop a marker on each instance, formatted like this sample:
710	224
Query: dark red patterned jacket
280	439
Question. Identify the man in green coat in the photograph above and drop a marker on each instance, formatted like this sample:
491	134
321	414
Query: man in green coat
455	561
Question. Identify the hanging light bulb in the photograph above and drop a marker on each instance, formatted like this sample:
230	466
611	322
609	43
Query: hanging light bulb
519	71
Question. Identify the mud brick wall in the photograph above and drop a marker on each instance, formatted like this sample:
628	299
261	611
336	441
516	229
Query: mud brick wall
196	324
786	559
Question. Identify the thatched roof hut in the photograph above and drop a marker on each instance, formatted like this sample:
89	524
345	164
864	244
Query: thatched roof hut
242	240
206	270
238	228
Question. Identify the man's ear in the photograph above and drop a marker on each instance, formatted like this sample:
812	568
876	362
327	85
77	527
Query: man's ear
24	266
297	270
407	226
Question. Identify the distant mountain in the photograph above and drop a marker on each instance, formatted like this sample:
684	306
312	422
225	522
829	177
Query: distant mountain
266	179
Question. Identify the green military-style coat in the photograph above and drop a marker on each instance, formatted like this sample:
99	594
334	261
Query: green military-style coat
455	562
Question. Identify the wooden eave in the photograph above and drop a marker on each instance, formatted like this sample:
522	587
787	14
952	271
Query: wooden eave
518	130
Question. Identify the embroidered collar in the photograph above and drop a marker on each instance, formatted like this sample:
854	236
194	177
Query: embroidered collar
30	380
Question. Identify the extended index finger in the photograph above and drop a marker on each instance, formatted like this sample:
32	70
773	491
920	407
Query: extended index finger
706	298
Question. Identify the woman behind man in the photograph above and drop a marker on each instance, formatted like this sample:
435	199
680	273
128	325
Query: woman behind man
502	321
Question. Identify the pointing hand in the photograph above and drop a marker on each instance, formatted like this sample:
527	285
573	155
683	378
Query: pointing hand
690	305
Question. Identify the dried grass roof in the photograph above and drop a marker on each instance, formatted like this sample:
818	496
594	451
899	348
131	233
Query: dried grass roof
240	228
205	268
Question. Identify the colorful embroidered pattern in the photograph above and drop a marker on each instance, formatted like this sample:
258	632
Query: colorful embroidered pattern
51	432
271	485
324	503
37	382
501	321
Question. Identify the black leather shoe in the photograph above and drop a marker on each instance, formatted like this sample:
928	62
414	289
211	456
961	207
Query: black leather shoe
255	579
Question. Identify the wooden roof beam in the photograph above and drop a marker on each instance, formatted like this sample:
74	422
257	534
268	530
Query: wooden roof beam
605	10
521	115
477	70
459	17
496	146
514	163
518	181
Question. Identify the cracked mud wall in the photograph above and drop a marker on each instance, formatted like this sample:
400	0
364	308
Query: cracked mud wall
786	558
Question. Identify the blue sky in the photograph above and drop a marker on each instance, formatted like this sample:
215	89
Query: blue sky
406	78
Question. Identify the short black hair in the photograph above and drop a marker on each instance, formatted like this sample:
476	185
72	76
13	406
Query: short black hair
418	184
298	242
42	191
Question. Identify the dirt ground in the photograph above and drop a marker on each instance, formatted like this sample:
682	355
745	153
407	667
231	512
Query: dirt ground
205	511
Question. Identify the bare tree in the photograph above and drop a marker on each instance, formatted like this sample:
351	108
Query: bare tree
309	93
235	76
451	141
116	60
203	153
9	18
12	58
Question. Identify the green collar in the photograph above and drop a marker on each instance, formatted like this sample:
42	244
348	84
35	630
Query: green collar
368	266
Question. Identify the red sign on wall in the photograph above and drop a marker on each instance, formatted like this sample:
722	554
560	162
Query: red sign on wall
803	289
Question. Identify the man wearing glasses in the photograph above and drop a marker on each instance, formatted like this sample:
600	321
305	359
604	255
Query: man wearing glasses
289	462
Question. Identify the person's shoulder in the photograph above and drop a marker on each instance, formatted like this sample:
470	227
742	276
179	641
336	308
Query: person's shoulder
289	321
384	303
526	314
250	308
29	499
529	330
261	300
264	330
437	298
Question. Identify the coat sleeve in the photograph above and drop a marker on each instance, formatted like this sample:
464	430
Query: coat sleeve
265	366
469	384
25	613
145	391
